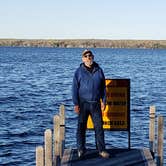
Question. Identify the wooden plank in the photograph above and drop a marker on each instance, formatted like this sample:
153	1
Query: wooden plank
66	157
62	130
39	156
56	135
148	157
48	147
152	129
160	141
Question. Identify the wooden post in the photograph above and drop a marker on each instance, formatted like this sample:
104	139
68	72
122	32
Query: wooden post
39	156
160	141
152	129
62	129
56	140
48	147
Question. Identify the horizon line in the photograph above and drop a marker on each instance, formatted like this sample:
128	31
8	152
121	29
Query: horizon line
77	39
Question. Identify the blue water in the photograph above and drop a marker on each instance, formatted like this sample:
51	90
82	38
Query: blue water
34	82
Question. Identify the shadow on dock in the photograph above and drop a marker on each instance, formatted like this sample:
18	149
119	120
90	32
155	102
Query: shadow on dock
118	157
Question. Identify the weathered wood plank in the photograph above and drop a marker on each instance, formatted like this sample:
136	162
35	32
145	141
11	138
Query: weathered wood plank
39	156
56	135
152	129
66	157
48	147
160	140
148	157
62	130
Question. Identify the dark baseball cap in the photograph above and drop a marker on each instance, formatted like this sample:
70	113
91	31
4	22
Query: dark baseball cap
87	52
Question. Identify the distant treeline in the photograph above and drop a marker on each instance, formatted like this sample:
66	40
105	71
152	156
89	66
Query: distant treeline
84	43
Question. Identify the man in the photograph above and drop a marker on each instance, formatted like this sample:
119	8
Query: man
87	89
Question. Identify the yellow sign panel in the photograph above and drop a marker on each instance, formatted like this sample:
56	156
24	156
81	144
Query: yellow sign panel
117	111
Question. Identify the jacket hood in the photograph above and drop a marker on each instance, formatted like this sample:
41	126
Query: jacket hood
96	66
94	63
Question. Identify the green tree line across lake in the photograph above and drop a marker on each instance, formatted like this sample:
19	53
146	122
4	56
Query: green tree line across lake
83	43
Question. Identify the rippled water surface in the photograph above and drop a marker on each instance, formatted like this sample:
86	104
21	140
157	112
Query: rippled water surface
34	82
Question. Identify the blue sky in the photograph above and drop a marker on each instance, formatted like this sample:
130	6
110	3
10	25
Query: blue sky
83	19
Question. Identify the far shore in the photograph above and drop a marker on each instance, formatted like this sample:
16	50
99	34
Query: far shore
83	43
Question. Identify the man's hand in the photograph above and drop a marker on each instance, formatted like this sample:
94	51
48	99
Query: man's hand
77	109
102	106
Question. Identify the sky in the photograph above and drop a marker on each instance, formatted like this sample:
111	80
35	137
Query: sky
83	19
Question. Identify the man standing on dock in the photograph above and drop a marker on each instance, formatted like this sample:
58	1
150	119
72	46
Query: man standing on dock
87	89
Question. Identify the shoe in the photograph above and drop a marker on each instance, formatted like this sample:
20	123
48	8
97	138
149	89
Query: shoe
104	154
80	153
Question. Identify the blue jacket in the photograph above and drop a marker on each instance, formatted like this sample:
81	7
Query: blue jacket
88	86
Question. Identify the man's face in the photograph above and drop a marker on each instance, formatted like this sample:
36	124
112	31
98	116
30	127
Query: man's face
87	59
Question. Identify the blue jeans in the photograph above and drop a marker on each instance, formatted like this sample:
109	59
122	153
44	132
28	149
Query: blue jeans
93	109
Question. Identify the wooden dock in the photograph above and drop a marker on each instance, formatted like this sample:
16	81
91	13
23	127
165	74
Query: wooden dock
53	152
118	157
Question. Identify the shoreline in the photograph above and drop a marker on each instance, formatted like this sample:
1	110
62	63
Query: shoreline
84	43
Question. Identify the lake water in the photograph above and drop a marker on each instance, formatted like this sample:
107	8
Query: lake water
34	82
